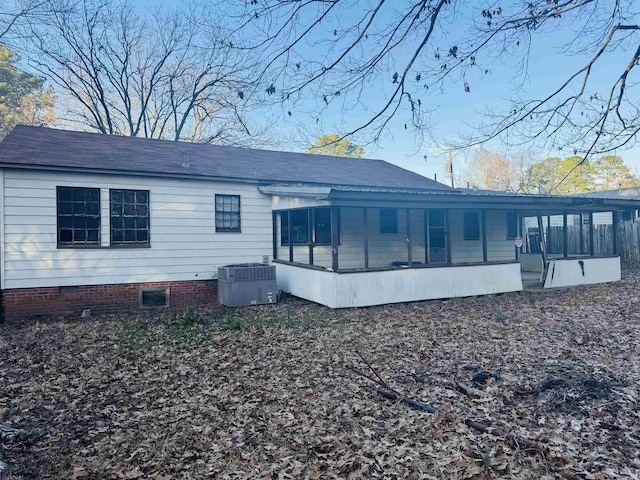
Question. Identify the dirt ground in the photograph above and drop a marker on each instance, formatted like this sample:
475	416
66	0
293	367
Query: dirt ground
271	392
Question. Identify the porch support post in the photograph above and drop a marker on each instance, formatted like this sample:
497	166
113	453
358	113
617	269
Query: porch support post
518	232
565	235
334	238
543	243
616	222
447	235
592	247
409	259
274	226
365	212
290	230
311	228
483	233
581	235
426	235
548	237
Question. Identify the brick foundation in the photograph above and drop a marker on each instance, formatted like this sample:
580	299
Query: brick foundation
22	303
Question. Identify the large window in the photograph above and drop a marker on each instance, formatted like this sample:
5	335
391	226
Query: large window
388	220
512	225
227	213
129	217
78	216
471	226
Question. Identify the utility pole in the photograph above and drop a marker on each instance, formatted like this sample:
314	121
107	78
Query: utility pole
449	166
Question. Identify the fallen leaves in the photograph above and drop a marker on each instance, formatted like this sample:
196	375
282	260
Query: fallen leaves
264	392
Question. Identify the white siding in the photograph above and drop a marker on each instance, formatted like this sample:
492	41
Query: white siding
2	229
184	243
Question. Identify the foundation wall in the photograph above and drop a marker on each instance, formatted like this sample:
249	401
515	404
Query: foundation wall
24	303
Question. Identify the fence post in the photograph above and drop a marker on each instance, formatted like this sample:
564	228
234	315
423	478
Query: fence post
591	246
616	248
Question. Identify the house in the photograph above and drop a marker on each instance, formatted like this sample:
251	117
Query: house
111	223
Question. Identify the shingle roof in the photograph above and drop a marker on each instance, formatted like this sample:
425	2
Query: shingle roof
630	193
46	148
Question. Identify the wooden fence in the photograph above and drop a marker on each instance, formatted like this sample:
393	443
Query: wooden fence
578	242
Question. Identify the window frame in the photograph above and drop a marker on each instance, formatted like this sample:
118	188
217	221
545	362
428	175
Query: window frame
222	229
159	289
284	214
388	224
131	243
78	244
471	235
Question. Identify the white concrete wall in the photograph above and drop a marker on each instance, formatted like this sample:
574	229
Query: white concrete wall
184	243
568	272
386	248
341	290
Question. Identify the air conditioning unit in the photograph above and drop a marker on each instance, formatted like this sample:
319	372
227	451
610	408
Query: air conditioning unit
247	284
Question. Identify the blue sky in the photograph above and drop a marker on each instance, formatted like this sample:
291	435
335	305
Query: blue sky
455	111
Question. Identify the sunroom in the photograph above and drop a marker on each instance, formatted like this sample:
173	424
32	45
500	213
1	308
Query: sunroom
354	247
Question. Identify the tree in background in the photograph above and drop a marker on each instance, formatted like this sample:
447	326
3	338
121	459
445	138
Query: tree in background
23	98
335	146
492	171
120	69
557	176
612	173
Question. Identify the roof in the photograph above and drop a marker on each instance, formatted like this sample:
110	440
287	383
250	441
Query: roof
52	149
452	198
628	193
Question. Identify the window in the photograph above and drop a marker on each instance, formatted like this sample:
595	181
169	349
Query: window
627	215
129	217
388	220
299	227
471	226
78	216
512	225
153	297
322	226
227	213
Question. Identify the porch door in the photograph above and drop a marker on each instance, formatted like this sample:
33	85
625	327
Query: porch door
436	237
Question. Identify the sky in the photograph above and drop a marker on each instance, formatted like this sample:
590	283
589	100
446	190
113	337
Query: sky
455	112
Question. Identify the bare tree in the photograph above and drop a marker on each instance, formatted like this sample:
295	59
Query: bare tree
492	171
161	74
12	13
387	60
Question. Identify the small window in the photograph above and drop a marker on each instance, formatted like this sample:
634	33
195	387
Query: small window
153	297
388	220
129	217
627	215
512	225
78	216
299	227
227	213
471	226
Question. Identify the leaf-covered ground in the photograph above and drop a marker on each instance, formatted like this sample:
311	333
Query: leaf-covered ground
265	392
